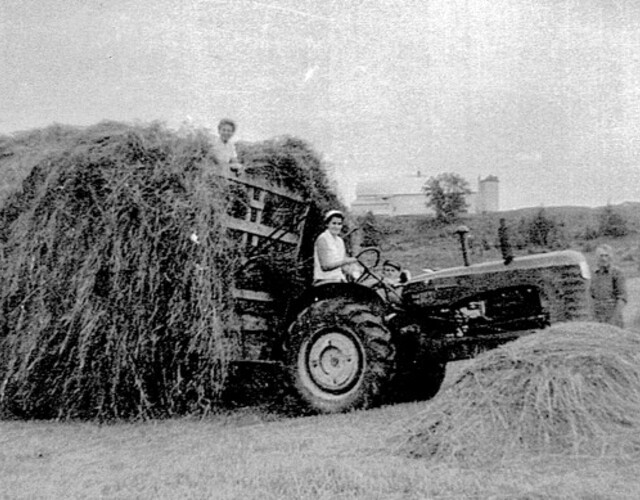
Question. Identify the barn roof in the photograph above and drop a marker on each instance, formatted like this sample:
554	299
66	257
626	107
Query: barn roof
387	187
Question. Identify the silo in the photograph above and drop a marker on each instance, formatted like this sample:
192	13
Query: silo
488	194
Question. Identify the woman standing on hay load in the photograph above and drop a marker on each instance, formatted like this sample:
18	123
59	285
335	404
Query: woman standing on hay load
608	289
224	151
330	260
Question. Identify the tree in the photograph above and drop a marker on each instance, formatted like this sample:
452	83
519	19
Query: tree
545	231
611	223
371	232
447	195
541	229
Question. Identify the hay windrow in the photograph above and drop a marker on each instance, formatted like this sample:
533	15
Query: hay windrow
109	310
573	389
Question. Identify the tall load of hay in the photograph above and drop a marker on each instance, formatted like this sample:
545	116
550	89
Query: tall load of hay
573	389
108	308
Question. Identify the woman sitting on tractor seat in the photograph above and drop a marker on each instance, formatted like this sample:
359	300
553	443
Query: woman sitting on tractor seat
330	260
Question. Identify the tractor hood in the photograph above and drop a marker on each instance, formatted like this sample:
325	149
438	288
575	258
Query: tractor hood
454	284
537	261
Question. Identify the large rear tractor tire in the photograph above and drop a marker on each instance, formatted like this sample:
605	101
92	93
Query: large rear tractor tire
339	356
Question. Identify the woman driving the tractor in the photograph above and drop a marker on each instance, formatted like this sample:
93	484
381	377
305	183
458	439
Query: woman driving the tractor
330	260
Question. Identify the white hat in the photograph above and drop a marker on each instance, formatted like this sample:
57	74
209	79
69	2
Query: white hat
333	213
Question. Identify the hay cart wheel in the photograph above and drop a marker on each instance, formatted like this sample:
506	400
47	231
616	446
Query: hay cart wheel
420	384
339	356
421	368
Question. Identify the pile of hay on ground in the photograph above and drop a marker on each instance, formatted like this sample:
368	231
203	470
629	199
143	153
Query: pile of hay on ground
573	389
108	308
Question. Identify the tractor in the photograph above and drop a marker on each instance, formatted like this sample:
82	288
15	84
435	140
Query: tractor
341	346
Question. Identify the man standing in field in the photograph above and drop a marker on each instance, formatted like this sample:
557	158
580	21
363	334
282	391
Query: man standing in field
608	288
224	151
505	243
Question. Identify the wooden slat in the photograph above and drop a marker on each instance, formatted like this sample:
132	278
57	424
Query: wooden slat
260	362
260	230
251	295
259	195
304	217
263	184
254	323
256	204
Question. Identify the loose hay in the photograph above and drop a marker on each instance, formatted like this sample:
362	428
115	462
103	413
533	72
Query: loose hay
109	310
573	389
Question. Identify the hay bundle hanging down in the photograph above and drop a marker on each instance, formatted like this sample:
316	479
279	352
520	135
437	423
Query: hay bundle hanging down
573	389
108	308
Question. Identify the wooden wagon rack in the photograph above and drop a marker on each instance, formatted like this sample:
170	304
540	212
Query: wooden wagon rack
269	216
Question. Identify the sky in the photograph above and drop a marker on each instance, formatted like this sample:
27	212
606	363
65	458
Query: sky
545	94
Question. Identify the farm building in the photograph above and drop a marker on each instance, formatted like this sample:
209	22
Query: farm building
404	196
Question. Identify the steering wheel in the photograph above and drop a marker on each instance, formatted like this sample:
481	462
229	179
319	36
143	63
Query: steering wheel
366	264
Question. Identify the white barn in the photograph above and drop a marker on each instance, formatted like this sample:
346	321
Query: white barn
404	196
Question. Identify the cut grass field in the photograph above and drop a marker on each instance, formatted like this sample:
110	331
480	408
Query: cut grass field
251	454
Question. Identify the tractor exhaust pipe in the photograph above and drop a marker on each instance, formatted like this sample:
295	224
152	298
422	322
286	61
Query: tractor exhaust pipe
462	232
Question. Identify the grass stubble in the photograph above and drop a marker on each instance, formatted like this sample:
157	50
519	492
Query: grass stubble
365	454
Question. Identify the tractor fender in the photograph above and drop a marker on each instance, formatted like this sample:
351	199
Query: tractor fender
354	291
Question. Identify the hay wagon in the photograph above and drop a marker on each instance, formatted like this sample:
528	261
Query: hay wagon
341	346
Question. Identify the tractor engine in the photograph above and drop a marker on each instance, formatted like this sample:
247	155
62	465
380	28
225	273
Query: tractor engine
470	308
